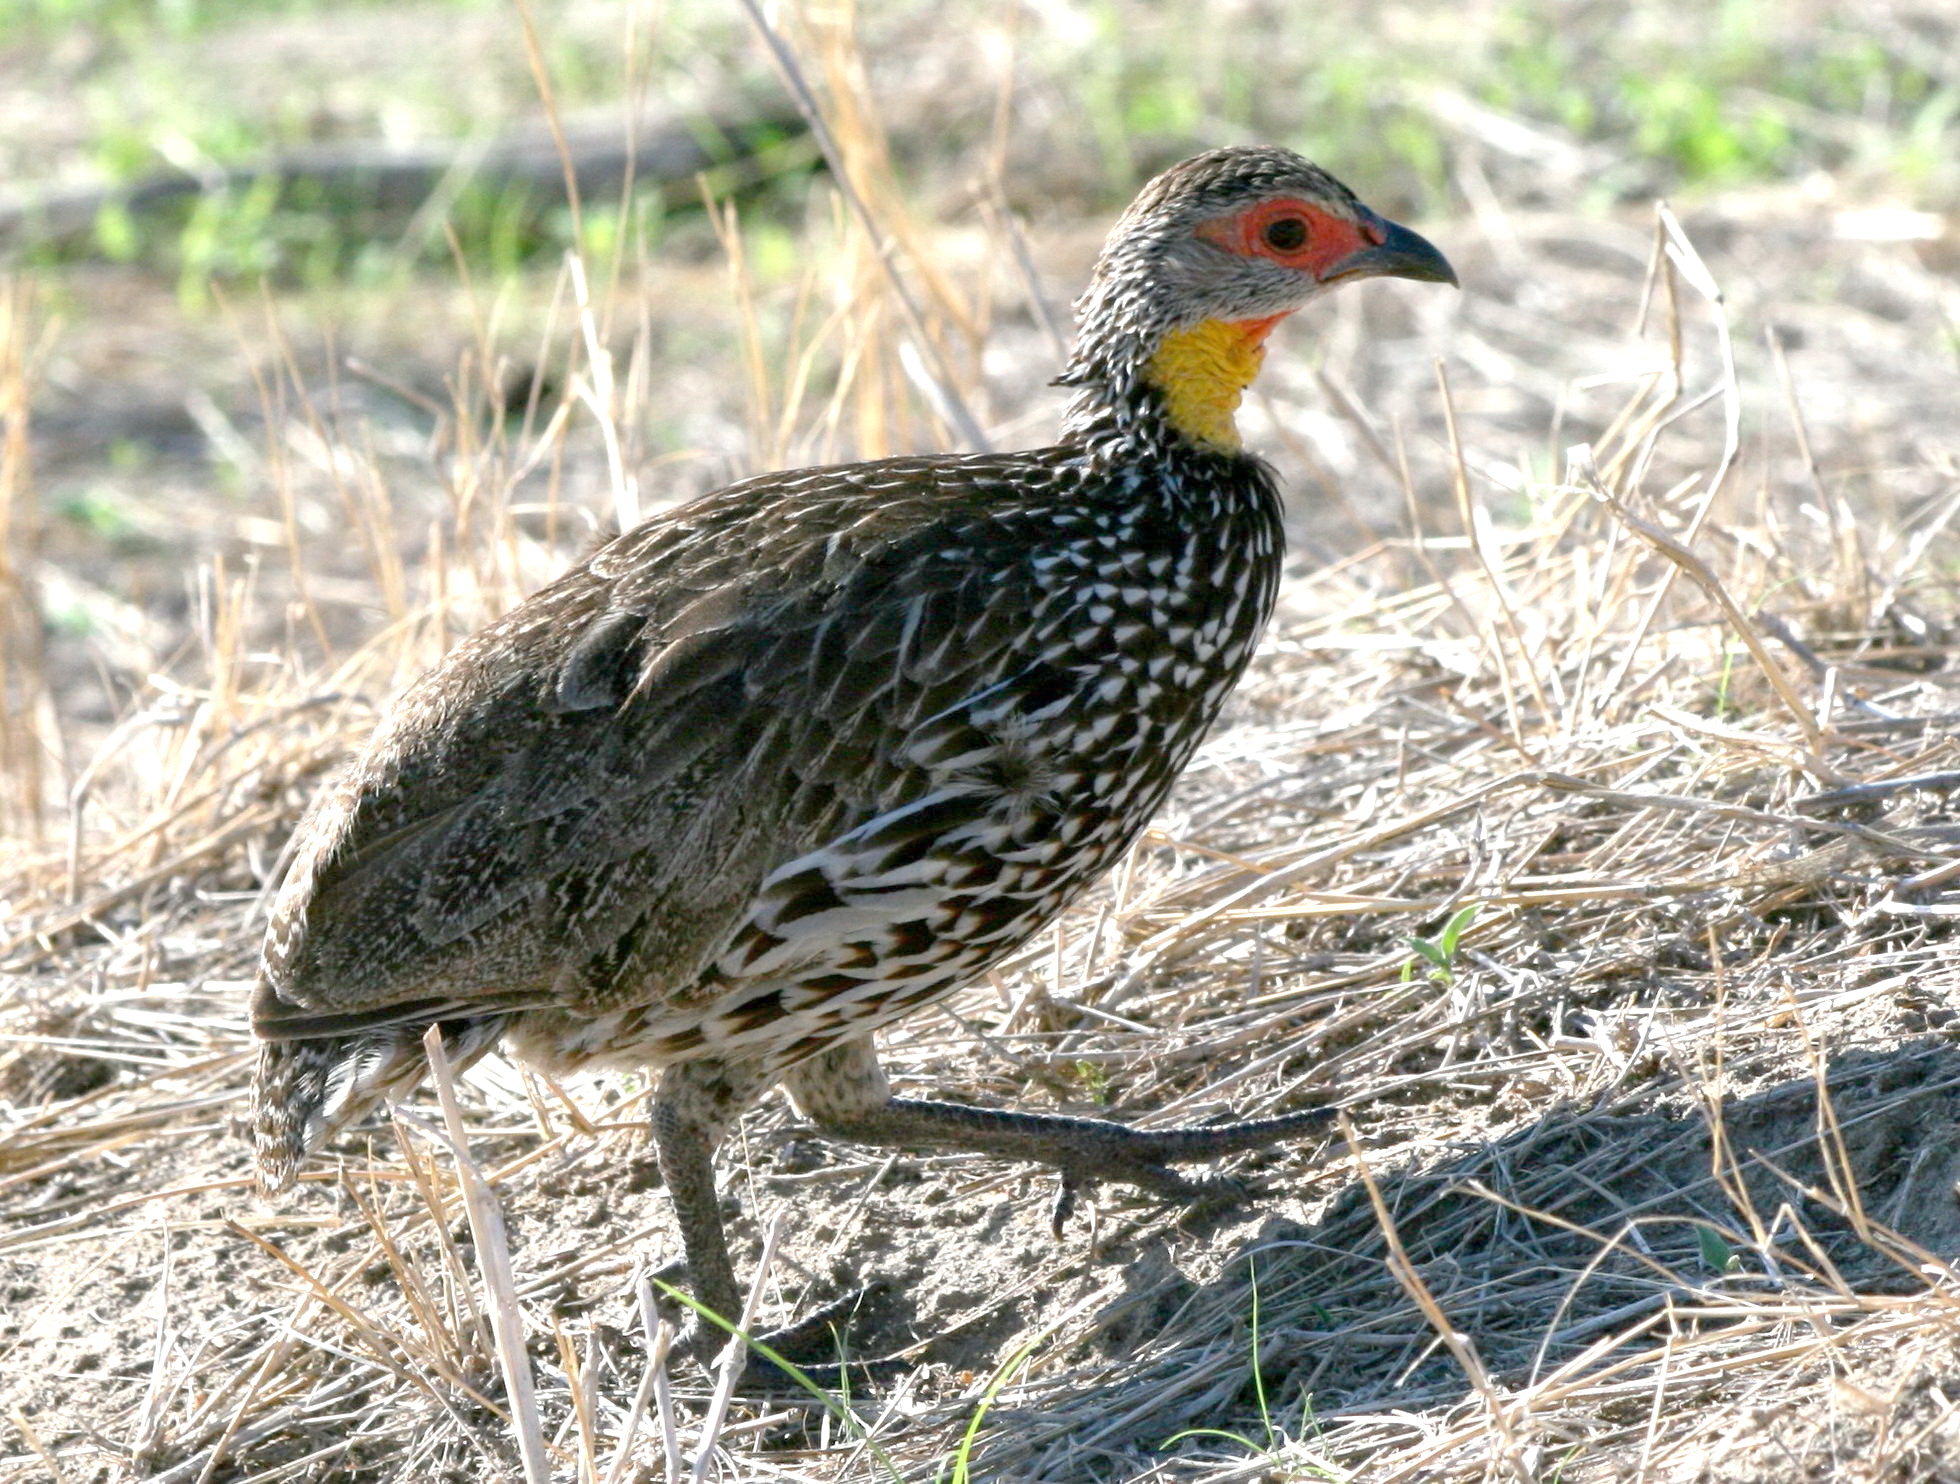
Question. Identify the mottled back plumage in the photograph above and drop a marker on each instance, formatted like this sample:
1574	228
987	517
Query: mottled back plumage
779	766
773	768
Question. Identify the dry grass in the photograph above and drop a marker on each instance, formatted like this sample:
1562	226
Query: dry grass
1647	1174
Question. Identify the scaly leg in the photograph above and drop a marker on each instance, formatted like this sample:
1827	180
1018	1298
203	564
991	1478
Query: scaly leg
696	1104
845	1092
693	1109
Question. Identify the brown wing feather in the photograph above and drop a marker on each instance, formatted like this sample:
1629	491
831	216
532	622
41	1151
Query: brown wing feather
582	800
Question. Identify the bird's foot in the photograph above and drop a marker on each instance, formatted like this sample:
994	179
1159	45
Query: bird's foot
1106	1153
1086	1150
813	1349
1145	1173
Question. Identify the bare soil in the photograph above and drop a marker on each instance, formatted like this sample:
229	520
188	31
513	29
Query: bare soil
1656	1178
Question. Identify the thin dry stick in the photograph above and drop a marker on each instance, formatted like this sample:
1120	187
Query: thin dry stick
579	1382
944	385
1653	1431
1460	484
1680	253
1459	1344
660	1336
1854	574
1009	226
600	399
493	1260
78	792
655	1376
276	1355
1580	463
26	1430
541	76
30	726
735	1354
1839	1169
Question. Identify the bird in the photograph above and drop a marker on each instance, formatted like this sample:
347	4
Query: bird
781	765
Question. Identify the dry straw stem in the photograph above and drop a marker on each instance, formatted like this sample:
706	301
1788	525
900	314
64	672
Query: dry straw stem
1579	461
654	1387
934	372
29	727
1663	1140
734	1355
493	1261
1460	1345
1675	254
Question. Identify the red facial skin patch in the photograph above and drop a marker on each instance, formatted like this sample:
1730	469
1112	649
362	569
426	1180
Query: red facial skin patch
1330	239
1203	369
1256	330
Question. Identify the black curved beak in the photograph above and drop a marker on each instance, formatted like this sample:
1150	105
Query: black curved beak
1400	254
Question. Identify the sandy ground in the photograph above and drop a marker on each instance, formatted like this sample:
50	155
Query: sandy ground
1589	1217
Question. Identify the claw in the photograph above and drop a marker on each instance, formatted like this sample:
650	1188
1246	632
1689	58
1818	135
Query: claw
798	1342
1064	1206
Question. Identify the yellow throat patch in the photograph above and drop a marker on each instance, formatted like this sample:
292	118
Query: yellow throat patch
1203	370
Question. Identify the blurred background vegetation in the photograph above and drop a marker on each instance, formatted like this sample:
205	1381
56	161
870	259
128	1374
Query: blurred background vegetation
1558	104
310	362
220	209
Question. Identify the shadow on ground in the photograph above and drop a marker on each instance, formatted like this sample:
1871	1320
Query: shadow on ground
1538	1247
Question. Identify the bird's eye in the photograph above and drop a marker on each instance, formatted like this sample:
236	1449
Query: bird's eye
1288	234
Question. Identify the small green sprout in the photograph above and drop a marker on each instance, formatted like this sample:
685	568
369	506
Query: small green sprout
1439	952
1715	1251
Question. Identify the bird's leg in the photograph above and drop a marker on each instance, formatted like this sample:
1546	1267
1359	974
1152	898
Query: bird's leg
696	1104
693	1109
844	1091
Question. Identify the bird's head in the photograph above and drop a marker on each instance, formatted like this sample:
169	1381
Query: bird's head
1210	256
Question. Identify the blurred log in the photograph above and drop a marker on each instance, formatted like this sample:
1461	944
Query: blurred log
396	179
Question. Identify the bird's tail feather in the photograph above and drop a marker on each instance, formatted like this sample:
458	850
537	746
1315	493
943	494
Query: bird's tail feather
305	1092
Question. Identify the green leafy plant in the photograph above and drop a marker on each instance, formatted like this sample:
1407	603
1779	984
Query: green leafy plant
1715	1250
1438	954
1095	1080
